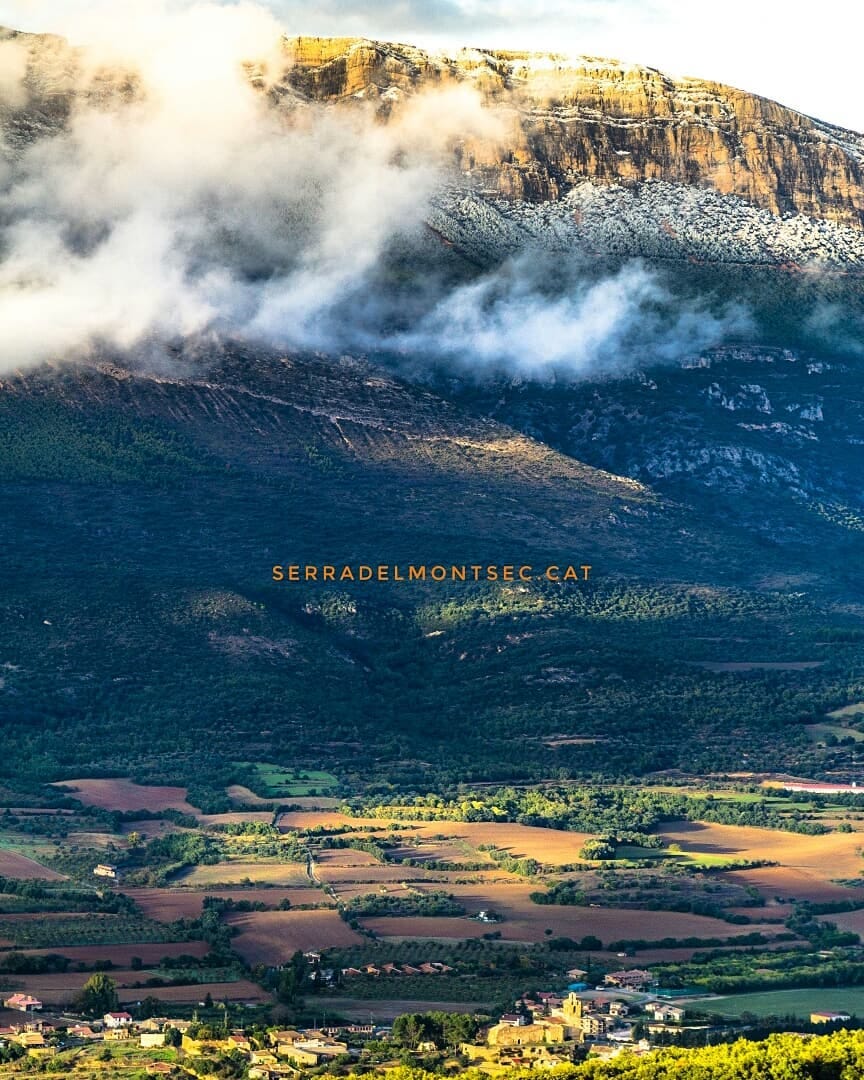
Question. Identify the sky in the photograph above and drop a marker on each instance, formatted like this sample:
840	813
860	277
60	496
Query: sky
805	55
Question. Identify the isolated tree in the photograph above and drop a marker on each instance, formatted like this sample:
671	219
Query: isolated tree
98	995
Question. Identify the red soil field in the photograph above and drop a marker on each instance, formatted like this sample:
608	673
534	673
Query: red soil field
784	881
242	990
272	937
374	874
848	920
123	794
344	857
61	989
19	866
524	920
166	905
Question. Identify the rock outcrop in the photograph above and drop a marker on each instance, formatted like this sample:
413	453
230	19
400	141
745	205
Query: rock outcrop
571	119
562	120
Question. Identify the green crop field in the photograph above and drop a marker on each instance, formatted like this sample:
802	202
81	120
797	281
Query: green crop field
789	1002
274	781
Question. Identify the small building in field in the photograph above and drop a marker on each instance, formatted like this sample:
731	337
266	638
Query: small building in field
113	1020
117	1034
285	1037
106	870
23	1003
514	1019
633	979
83	1031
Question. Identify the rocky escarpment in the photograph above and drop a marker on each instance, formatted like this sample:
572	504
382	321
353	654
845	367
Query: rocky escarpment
559	121
769	438
568	119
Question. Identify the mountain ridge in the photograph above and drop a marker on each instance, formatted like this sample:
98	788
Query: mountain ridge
611	121
565	120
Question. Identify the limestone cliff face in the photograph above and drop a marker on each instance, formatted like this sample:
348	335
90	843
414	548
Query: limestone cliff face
563	120
575	118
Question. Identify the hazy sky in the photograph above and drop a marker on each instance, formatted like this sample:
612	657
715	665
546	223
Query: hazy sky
805	55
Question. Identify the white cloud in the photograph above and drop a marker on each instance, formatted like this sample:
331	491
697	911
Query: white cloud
197	207
508	321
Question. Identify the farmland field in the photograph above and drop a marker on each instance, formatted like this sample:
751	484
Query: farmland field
14	865
374	873
488	863
525	921
234	817
551	846
60	989
835	855
271	937
241	990
236	872
166	905
789	1002
786	882
150	827
345	857
123	794
276	782
848	920
246	796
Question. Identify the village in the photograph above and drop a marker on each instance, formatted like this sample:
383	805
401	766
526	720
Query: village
544	1029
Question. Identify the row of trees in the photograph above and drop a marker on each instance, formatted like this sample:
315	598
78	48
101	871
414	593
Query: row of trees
837	1056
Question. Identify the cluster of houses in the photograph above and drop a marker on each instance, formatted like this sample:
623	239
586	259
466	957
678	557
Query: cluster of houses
376	970
286	1051
635	980
36	1034
545	1030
